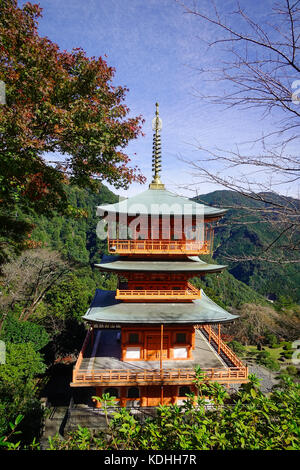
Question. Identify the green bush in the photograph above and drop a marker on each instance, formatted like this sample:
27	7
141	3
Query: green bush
18	332
291	370
263	355
287	354
237	347
18	386
272	340
252	421
264	358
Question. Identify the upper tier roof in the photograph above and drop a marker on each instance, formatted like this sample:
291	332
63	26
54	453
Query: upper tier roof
106	309
160	202
191	264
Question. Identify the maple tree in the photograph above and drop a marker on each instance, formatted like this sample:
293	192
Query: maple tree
57	101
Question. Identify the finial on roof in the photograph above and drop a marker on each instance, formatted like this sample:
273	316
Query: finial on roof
156	153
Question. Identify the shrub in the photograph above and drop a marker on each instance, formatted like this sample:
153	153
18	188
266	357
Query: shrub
264	358
271	340
17	332
236	347
287	354
291	370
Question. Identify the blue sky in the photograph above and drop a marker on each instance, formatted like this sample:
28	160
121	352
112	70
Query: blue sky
154	48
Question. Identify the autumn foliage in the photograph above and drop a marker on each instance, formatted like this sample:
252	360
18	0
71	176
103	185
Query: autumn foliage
57	101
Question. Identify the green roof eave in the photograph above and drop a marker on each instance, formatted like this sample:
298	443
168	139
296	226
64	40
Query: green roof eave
192	264
106	309
160	202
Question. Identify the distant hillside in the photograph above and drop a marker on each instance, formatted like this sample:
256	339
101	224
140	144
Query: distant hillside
243	233
75	237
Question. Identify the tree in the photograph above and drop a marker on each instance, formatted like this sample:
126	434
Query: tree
27	280
18	385
57	101
17	332
70	298
259	68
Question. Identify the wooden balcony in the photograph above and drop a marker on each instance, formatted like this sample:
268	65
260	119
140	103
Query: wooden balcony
90	372
160	247
118	377
188	294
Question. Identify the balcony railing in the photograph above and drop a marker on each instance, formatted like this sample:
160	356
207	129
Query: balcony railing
223	347
118	377
85	377
160	247
190	293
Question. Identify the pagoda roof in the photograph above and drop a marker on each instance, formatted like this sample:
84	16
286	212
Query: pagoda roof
160	202
191	264
105	308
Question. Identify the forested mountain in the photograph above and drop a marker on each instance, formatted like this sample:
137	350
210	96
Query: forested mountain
243	232
75	238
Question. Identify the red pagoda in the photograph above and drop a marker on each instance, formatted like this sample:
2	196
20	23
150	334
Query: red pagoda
146	338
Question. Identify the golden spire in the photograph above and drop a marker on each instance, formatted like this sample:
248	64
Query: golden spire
156	153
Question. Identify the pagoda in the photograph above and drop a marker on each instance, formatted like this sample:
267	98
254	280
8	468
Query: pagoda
145	339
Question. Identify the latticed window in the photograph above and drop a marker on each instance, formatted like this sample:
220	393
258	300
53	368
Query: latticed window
133	338
113	392
133	392
181	338
184	390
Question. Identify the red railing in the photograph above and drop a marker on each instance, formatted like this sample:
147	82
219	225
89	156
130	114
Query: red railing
160	246
159	294
90	376
223	346
145	376
80	357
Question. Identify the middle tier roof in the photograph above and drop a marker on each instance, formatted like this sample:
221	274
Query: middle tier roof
105	308
191	264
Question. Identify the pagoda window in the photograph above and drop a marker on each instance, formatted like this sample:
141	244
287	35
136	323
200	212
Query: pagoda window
184	390
180	338
133	338
113	392
133	352
133	392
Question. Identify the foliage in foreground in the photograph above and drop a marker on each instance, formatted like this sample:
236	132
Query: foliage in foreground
249	420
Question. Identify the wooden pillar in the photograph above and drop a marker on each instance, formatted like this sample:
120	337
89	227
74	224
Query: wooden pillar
209	335
161	346
98	394
193	338
161	354
219	338
92	335
143	395
122	400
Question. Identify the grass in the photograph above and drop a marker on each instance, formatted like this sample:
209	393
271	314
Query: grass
251	353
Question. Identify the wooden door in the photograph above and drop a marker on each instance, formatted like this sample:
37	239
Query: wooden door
168	394
153	347
153	393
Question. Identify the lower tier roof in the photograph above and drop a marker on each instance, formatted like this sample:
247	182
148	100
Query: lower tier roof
106	309
191	264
